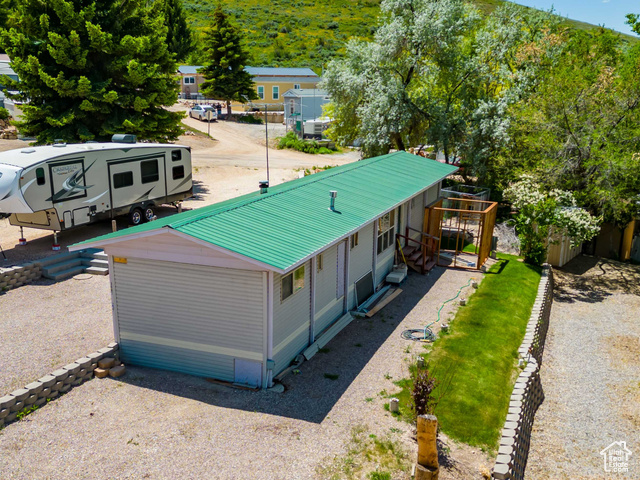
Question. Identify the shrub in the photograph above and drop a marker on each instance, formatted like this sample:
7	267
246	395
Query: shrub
291	140
251	119
4	114
424	402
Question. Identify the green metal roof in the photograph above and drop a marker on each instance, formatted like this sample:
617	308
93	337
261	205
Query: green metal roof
292	221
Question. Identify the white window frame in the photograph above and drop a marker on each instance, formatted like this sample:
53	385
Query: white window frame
189	80
260	94
297	283
275	92
296	86
386	231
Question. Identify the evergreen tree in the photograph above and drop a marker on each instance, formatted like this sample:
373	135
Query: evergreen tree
92	68
5	10
226	78
179	35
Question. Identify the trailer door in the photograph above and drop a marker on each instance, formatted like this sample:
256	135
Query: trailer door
178	171
137	180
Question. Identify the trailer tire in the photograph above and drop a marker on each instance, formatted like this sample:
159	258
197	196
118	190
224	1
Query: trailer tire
136	217
149	213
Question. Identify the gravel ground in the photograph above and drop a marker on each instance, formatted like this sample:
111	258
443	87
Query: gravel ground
47	325
590	373
155	424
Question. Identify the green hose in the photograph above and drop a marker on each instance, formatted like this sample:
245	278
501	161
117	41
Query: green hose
442	306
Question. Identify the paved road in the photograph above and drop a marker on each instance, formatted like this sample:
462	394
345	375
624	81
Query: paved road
590	373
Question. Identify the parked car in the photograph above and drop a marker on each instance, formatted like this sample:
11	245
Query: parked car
201	111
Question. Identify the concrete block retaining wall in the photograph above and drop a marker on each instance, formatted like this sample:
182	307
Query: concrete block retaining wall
17	276
527	393
50	386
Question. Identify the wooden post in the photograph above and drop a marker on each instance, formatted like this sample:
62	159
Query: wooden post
114	226
427	467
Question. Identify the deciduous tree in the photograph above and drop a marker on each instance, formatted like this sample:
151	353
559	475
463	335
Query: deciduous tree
225	76
92	68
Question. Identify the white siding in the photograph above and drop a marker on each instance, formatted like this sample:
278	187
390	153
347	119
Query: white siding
416	219
328	304
291	321
360	260
189	318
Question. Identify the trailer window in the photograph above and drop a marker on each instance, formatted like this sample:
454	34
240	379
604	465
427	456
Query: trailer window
178	172
40	176
123	179
149	171
292	283
176	155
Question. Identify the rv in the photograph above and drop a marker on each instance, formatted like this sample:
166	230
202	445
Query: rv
58	187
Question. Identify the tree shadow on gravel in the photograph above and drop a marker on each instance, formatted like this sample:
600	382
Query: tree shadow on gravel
314	392
200	190
593	279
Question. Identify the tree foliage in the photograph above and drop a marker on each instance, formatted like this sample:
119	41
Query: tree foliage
91	68
225	76
580	131
544	216
437	73
179	36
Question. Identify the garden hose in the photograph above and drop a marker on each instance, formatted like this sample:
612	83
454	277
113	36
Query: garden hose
424	337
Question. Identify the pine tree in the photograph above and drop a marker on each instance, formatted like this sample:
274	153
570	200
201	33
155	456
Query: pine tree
226	78
5	9
92	68
179	35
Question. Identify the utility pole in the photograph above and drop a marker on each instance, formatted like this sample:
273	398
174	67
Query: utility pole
266	135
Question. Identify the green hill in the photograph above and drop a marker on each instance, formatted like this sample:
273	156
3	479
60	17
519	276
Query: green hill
287	33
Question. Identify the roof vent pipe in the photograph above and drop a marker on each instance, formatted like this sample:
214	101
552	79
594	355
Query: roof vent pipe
333	194
264	186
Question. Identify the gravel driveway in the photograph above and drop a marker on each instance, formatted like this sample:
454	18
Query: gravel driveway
590	373
47	325
155	424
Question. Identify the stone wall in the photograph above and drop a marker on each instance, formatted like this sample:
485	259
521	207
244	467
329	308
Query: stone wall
527	393
24	400
13	277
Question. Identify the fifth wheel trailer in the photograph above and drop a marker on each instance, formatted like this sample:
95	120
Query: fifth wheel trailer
58	187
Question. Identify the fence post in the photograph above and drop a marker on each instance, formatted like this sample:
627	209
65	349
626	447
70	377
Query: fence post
427	467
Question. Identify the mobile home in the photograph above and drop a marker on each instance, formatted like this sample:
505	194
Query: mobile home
258	279
61	186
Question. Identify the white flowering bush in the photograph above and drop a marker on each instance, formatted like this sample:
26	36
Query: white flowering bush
537	212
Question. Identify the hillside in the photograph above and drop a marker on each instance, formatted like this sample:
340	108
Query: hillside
289	33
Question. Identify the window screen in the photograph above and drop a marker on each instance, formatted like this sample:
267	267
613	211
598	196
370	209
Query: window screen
123	179
149	171
178	172
40	176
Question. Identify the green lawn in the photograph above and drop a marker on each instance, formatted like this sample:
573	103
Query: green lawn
480	354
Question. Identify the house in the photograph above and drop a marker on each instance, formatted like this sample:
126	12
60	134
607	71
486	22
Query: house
236	290
271	83
303	104
190	81
5	69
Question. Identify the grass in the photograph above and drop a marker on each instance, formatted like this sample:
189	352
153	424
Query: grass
197	132
479	355
368	456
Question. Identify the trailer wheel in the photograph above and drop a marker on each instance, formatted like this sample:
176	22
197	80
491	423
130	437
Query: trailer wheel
149	213
135	216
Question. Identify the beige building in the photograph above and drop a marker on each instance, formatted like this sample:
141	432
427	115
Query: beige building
270	84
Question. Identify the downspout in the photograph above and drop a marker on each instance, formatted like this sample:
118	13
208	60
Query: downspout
347	256
312	320
270	362
375	252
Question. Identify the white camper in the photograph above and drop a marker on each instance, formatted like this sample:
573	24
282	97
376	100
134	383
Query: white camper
61	186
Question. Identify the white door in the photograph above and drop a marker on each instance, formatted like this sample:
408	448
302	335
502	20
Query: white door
137	180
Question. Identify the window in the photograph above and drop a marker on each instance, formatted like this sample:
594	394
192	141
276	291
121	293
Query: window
276	93
386	227
320	263
189	80
123	179
40	176
176	155
292	283
296	86
178	172
354	240
149	171
260	92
